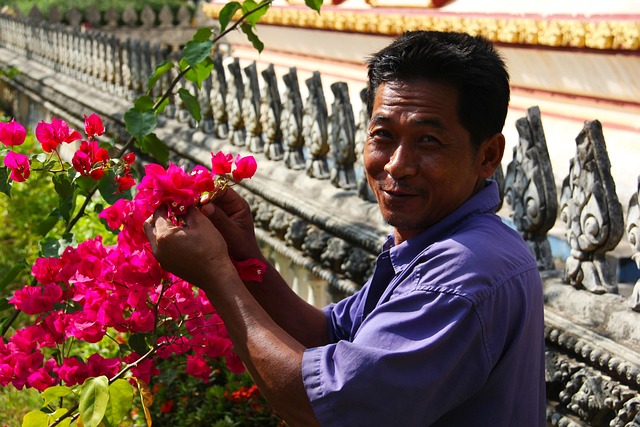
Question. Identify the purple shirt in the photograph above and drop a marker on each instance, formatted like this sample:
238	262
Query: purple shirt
456	338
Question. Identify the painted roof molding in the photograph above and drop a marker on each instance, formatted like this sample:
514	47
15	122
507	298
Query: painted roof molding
570	24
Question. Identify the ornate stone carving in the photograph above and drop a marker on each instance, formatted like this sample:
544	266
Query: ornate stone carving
364	191
315	128
296	233
219	97
291	122
270	115
628	415
530	188
633	235
358	265
315	242
235	94
586	396
251	110
342	138
590	208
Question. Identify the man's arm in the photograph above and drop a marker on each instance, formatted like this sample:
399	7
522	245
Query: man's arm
197	253
231	215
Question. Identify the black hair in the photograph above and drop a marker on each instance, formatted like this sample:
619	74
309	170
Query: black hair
470	64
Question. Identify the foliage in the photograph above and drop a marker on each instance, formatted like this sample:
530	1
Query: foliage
106	320
63	6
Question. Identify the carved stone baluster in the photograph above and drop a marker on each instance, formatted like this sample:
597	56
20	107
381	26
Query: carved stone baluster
270	113
364	191
315	129
342	138
291	122
633	235
593	214
111	47
235	94
251	110
136	67
530	188
85	57
146	65
127	59
207	124
101	39
218	97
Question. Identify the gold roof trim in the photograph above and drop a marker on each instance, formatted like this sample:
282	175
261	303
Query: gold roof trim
617	34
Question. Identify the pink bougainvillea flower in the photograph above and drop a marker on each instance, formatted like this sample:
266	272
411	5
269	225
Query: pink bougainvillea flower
251	269
123	183
129	158
221	163
19	165
90	159
50	135
36	299
245	167
203	179
197	367
12	133
93	126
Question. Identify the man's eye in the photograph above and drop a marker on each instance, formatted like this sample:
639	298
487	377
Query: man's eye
429	140
379	134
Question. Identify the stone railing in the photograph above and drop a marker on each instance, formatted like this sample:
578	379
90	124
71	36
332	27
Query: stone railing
315	216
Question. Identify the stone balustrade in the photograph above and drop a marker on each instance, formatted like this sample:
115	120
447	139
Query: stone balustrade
314	213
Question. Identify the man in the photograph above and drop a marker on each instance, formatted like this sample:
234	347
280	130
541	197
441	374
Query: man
449	330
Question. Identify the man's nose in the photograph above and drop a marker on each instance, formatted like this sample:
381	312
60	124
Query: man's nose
403	162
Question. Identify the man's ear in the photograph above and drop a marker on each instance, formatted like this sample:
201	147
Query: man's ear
490	155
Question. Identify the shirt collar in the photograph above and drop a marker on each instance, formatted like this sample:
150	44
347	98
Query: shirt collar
486	200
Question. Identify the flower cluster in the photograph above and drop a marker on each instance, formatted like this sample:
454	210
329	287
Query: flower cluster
92	290
90	160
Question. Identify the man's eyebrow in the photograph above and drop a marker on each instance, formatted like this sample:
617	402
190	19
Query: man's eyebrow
430	122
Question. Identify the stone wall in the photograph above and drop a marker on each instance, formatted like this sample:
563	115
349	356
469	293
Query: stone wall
315	216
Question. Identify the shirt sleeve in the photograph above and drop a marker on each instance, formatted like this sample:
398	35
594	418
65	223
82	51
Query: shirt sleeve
405	353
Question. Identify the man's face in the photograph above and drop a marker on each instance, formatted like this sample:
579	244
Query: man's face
419	159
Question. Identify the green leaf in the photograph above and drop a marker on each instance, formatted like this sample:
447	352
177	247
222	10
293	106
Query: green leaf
109	190
4	305
152	145
254	12
227	12
94	397
35	419
160	70
57	414
48	223
195	52
85	183
162	106
202	34
138	343
54	393
314	4
14	271
5	182
190	103
140	123
255	41
120	401
53	248
143	103
66	192
199	72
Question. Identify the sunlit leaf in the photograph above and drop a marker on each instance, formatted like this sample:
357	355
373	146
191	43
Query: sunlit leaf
13	272
140	123
120	401
227	12
152	145
94	397
160	70
143	103
255	11
255	41
199	72
54	393
47	224
35	419
190	103
202	34
314	4
57	414
195	52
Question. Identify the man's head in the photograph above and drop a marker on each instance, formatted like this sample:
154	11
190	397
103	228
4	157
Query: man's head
437	103
469	64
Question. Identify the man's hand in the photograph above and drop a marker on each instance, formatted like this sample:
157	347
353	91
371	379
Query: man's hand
231	215
194	251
